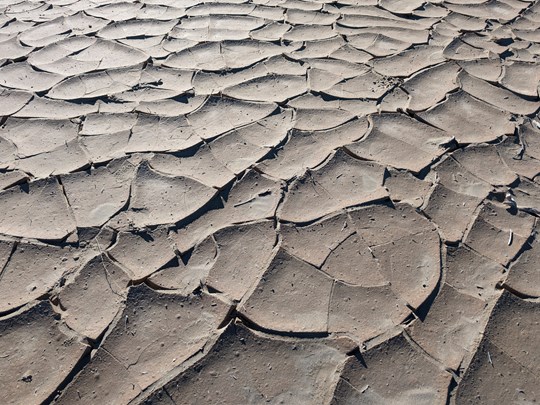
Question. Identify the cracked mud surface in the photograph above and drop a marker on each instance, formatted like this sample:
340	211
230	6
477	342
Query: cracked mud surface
269	201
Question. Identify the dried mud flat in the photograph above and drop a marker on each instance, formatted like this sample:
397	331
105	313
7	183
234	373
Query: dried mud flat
273	201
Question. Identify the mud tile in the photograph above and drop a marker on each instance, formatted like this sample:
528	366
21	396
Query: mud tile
252	246
505	356
253	360
369	85
380	377
32	341
13	49
215	56
270	32
219	115
496	96
63	159
90	58
99	281
499	235
161	134
150	321
409	61
12	178
491	9
270	88
158	199
519	76
311	119
251	198
397	7
93	85
485	69
529	135
514	155
495	376
309	17
106	147
513	326
451	211
115	11
468	119
527	196
457	178
54	109
380	224
236	153
313	243
452	327
26	134
202	166
170	107
25	213
264	71
143	253
473	274
186	278
133	28
378	44
401	142
328	188
353	263
310	32
363	313
404	187
466	22
431	86
316	49
96	195
106	380
20	75
32	271
12	101
292	296
411	265
309	149
524	276
103	123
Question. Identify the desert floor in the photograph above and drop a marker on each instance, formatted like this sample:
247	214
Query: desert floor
269	202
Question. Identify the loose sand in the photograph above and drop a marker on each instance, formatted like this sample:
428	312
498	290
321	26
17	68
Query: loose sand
272	201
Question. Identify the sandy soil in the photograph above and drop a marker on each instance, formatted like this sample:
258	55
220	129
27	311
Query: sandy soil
274	201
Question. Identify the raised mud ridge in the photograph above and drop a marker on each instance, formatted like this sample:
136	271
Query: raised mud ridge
272	201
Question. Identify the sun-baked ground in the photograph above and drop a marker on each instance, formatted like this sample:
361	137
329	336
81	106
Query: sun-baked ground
271	201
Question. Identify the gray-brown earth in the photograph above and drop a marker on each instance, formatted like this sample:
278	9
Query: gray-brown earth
269	201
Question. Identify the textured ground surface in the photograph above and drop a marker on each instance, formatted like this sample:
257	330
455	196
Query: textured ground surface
274	201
